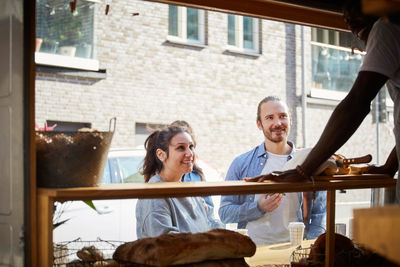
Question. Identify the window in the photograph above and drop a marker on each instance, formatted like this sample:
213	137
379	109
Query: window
186	25
334	65
64	36
143	130
242	34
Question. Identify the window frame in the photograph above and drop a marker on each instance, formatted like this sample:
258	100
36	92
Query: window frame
182	28
56	60
238	47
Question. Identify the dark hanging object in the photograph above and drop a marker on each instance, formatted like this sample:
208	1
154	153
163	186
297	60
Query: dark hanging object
107	9
72	5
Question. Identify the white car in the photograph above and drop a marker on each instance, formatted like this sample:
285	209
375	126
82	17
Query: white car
115	219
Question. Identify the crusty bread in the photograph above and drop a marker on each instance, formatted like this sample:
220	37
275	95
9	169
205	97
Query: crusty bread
90	253
345	169
211	263
185	248
343	246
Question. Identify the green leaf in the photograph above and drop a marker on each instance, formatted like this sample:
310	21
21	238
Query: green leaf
90	204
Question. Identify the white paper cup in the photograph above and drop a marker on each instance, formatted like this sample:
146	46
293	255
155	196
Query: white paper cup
241	231
340	228
296	230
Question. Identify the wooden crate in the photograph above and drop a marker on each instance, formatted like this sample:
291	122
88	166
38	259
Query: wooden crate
378	229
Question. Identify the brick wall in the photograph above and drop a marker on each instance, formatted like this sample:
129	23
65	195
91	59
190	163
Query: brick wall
150	80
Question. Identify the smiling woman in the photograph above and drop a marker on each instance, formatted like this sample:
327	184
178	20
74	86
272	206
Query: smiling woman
170	154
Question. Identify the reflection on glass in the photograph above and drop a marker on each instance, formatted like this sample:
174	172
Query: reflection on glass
173	21
60	31
192	24
248	38
231	29
334	69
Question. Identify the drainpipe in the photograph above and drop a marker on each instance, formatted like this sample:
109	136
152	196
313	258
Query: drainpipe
303	89
378	194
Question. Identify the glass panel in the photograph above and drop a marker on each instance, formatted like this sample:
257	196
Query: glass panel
173	21
192	24
332	37
130	169
231	29
63	32
106	174
248	38
334	69
320	37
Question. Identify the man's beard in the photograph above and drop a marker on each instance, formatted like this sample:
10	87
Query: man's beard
277	139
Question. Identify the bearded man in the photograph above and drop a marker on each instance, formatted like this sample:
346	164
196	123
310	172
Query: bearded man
267	216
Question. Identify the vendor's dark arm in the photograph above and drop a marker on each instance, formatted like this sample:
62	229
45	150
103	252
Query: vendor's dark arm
345	119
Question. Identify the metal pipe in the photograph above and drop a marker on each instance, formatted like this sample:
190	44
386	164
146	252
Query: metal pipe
378	194
303	89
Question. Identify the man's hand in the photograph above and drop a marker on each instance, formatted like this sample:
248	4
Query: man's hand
268	202
285	176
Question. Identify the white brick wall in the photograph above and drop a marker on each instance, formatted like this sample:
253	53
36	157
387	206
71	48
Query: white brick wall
152	81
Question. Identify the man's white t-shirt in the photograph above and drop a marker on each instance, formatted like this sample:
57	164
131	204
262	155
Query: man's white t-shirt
383	56
273	226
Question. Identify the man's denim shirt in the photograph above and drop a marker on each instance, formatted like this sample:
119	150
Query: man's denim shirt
242	208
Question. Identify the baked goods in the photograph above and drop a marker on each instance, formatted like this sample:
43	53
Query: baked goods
78	263
90	253
343	246
211	263
185	248
344	165
102	263
107	263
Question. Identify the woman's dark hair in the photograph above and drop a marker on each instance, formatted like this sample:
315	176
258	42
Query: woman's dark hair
187	128
159	139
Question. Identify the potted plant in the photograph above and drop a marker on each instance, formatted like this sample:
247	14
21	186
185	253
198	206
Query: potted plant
60	30
71	34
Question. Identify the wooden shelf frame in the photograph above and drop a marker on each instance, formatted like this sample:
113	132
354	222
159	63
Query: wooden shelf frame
47	197
270	9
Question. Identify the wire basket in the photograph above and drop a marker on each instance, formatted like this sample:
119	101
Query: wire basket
66	252
353	257
300	254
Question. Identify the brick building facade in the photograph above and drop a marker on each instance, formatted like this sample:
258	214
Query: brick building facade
149	79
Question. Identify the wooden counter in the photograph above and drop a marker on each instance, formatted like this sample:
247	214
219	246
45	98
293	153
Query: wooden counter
378	229
47	197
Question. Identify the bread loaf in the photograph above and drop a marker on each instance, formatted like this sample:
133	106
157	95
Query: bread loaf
211	263
343	248
185	248
90	253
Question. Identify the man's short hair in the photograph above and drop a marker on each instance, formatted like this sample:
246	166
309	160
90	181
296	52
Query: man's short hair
265	100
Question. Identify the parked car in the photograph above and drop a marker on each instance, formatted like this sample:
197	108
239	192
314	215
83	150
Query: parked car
123	166
115	219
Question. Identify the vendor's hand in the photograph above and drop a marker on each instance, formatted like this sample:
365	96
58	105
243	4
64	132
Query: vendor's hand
285	176
269	202
382	169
